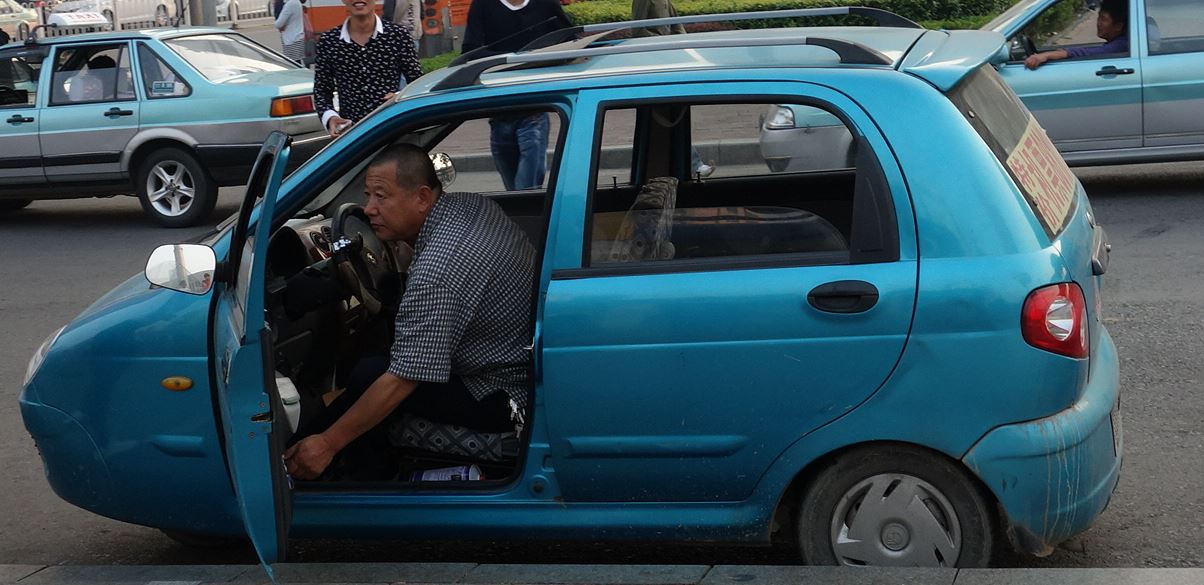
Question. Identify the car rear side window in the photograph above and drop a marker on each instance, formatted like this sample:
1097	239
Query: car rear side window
160	80
1174	27
698	186
91	73
1020	143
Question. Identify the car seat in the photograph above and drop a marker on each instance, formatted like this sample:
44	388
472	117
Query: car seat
646	229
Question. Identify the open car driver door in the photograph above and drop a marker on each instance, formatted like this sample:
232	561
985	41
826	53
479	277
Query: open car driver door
246	387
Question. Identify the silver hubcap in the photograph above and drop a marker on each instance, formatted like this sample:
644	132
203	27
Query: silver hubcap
895	520
170	188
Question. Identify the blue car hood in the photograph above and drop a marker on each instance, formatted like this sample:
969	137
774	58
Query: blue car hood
135	285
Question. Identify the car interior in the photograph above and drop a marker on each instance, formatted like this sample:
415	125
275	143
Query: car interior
109	65
648	214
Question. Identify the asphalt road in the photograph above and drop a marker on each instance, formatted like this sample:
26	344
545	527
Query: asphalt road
58	256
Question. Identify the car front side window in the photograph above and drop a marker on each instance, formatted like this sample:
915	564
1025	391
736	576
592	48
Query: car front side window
1066	24
18	80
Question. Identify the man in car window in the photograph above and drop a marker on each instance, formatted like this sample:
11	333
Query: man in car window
364	61
463	324
1112	25
89	84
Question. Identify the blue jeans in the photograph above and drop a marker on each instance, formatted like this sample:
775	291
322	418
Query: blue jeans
520	145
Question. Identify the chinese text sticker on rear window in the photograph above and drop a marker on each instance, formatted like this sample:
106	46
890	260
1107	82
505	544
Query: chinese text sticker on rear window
1047	181
163	88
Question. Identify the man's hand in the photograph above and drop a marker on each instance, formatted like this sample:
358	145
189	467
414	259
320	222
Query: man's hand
336	125
1035	60
388	96
309	458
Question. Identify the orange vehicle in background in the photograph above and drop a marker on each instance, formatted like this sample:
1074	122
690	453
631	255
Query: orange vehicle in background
442	22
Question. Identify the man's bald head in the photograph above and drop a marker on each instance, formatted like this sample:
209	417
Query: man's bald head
413	167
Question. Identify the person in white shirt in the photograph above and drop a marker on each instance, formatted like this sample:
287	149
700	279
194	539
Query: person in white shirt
292	30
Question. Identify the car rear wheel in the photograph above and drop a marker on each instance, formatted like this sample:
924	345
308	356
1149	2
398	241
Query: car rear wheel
22	31
161	18
7	205
174	188
895	506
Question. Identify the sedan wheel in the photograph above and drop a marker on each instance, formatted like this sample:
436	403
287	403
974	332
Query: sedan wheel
174	189
22	31
896	506
161	18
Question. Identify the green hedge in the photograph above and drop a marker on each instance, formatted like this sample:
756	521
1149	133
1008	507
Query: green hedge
940	11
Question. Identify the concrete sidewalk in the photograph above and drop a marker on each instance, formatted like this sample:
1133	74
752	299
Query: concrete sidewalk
473	574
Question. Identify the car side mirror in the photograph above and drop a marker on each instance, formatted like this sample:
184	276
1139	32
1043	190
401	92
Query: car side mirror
444	169
188	268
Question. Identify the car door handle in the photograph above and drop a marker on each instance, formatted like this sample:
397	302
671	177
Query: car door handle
115	112
1110	70
19	119
844	296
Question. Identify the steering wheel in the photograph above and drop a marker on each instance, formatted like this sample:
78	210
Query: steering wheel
361	260
1030	48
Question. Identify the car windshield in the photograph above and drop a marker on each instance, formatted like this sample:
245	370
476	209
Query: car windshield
222	56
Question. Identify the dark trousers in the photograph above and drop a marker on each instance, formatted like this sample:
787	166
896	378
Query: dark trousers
370	457
448	403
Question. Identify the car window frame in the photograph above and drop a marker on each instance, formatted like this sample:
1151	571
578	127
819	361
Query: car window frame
54	56
887	218
427	112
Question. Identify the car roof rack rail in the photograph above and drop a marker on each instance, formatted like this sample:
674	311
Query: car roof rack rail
470	73
882	17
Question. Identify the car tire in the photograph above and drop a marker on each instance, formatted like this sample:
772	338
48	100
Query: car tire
23	31
108	14
161	18
205	541
846	518
174	189
10	205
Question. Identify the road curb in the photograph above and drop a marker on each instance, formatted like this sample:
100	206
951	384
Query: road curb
473	574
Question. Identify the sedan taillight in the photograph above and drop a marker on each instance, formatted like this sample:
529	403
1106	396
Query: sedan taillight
292	106
1054	318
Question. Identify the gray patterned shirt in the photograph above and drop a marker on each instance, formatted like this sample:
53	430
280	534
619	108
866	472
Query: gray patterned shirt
466	309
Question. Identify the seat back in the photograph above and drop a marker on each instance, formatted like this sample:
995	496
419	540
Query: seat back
646	229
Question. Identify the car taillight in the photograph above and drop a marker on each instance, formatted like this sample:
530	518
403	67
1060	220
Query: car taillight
292	106
1054	318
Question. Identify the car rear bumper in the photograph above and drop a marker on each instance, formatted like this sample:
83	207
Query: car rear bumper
230	164
1054	476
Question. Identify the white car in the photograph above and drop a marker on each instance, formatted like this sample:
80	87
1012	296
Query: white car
125	13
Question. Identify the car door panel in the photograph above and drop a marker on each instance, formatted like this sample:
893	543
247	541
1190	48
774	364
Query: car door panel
1079	104
685	385
1174	73
83	141
248	400
20	119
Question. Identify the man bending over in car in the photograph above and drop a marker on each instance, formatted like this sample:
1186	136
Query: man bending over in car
463	323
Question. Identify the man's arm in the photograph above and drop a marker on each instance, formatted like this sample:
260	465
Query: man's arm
324	85
411	67
285	15
312	455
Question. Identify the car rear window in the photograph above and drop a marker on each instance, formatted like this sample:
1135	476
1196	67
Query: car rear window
1020	143
219	57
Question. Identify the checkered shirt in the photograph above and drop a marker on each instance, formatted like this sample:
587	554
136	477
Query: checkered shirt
466	309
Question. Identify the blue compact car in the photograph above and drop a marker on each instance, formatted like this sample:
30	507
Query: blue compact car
896	362
1138	104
